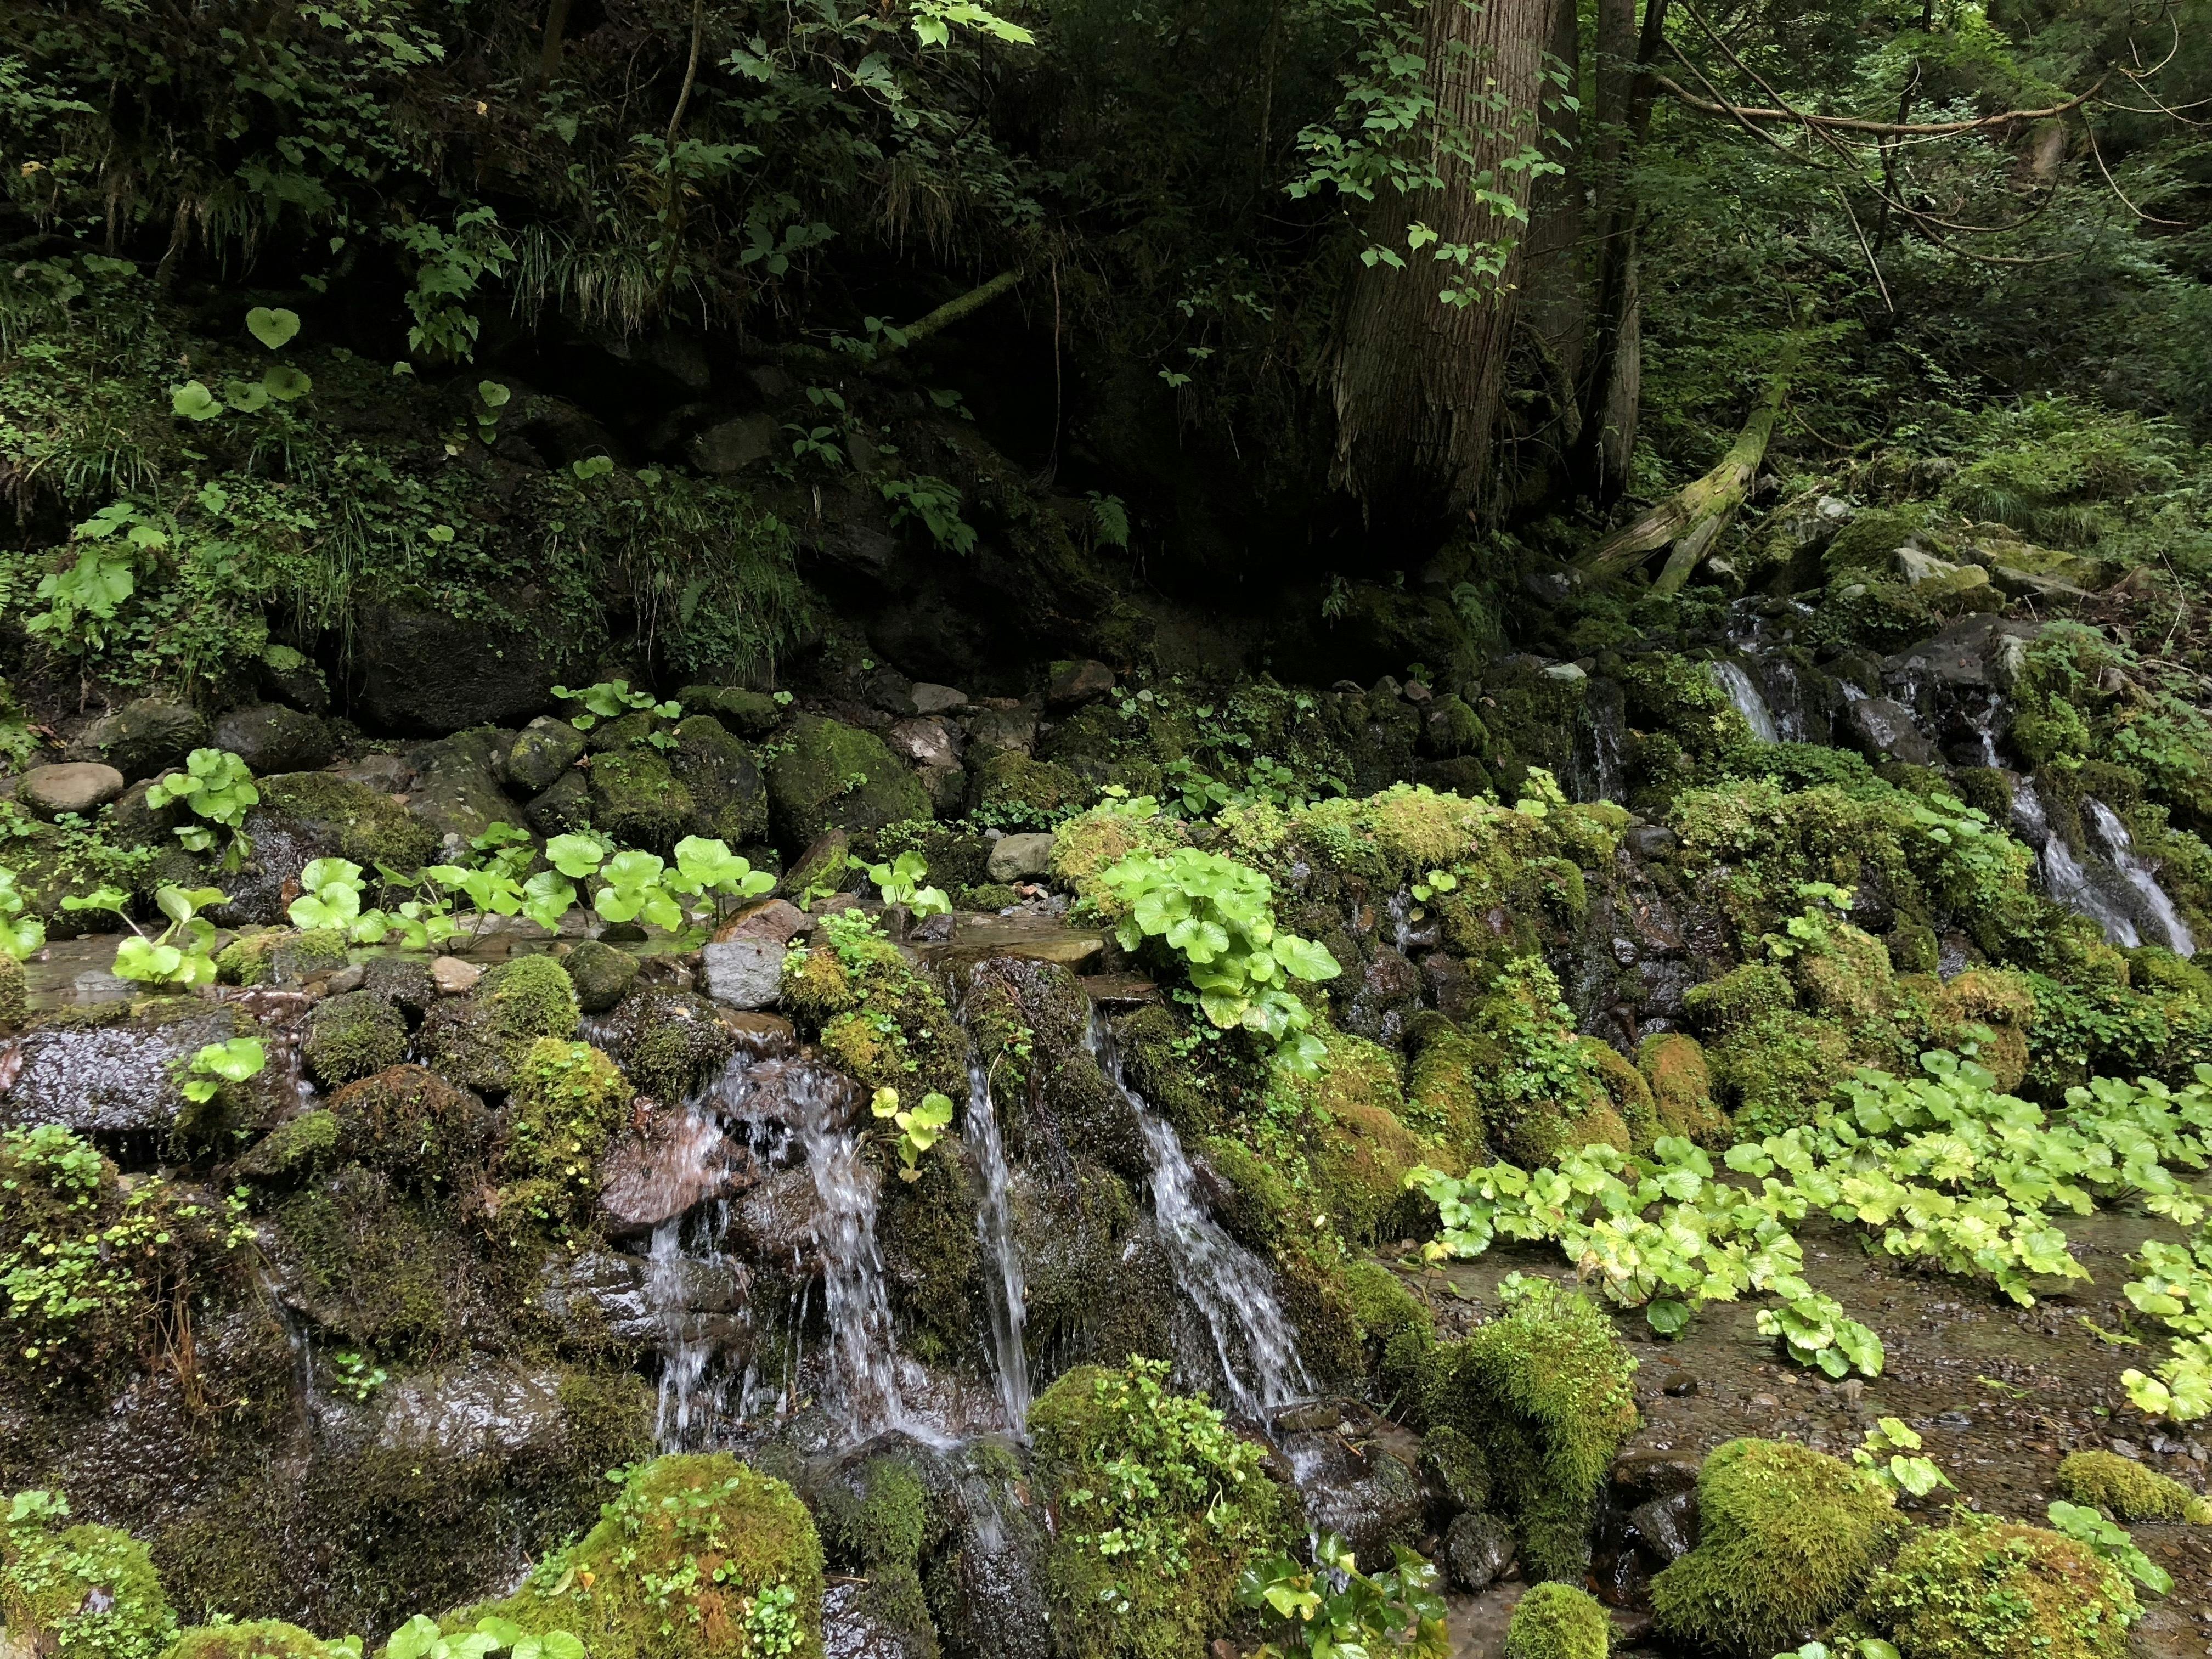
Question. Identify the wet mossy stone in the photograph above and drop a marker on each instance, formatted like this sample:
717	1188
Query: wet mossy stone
374	1267
1086	846
1545	1391
1787	1537
411	1123
1776	1074
2127	1490
125	1074
1456	1470
563	809
729	795
81	1592
335	815
281	957
1204	1499
350	1036
1739	998
699	1557
1442	1097
144	738
1557	1620
404	981
270	737
670	1043
752	714
14	994
457	793
1015	793
825	774
1986	1589
478	1040
1159	1053
546	748
569	1099
926	1229
637	799
264	1638
1380	1302
1673	1065
295	1148
602	975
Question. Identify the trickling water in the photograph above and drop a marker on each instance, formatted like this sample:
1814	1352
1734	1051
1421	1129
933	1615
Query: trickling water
2064	878
1600	734
1231	1287
1400	910
1743	691
684	1349
2142	877
855	1303
994	1229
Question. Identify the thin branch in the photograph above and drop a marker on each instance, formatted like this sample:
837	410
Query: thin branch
2090	127
1873	263
1884	129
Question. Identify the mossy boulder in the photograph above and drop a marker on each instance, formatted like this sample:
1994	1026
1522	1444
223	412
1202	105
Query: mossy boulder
699	1557
2127	1490
546	748
477	1040
878	1016
1443	1100
749	714
351	1037
877	1518
81	1592
824	774
1740	998
264	1639
670	1043
1787	1537
1673	1065
14	994
324	814
376	1267
2000	1007
1015	793
602	973
1986	1589
410	1122
1359	1151
1190	1491
1777	1072
281	957
637	799
1545	1391
1556	1620
569	1101
728	794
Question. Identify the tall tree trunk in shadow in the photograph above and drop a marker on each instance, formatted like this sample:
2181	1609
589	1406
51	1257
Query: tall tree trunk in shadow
1555	293
1419	378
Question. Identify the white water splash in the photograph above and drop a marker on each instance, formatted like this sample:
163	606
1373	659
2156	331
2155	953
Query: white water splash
2064	878
2139	875
995	1231
1231	1287
1744	693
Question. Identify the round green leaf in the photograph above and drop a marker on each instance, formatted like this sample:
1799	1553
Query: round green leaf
285	383
273	328
194	402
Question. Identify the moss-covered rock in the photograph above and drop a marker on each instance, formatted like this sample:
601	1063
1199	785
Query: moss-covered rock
878	1017
637	799
728	794
1202	1509
1544	1390
601	973
1786	1539
375	1267
1985	1589
1740	999
1443	1085
1015	793
2127	1490
669	1043
281	957
823	774
1557	1620
1359	1151
335	815
569	1101
14	994
1681	1087
262	1638
410	1122
477	1040
1089	843
749	714
699	1557
81	1592
350	1036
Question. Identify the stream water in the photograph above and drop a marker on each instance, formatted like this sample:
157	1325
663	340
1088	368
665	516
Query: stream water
995	1231
2138	873
1733	678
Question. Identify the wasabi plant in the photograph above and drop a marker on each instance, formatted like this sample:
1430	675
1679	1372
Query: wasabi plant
218	787
20	936
2113	1543
218	1063
900	882
1332	1610
183	954
1884	1454
919	1126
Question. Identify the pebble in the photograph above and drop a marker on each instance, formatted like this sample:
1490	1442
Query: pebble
1679	1386
1953	1420
348	978
454	977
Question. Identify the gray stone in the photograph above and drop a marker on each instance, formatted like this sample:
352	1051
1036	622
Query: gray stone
70	786
434	672
454	977
1478	1549
1004	728
924	742
745	973
1882	730
929	698
730	446
1019	858
270	737
457	791
483	1409
1073	683
1667	1526
146	738
547	748
114	1079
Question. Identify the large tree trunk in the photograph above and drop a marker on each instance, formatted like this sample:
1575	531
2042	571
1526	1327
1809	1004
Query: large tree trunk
1418	380
1613	383
1689	522
1555	297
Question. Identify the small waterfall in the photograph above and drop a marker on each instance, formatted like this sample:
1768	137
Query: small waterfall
684	1352
1601	736
994	1229
1231	1287
1743	691
863	1354
2064	878
2138	873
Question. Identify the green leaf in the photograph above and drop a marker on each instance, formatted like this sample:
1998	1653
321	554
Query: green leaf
286	384
494	395
194	402
274	328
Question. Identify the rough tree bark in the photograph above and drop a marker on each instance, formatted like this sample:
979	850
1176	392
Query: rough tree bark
1555	297
1691	521
1418	381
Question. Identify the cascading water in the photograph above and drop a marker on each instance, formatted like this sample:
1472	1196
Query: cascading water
2064	878
684	1353
2139	874
1231	1288
994	1229
1744	693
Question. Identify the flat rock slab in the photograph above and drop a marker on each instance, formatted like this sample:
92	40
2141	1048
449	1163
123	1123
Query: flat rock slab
745	973
1029	938
70	786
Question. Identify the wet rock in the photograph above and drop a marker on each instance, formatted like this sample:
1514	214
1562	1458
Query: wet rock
478	1410
1387	994
1004	729
287	675
732	446
1021	858
1667	1528
546	748
1478	1549
602	973
822	864
1882	730
1368	1495
453	977
144	738
834	776
776	919
79	787
1073	683
926	698
116	1079
600	1295
729	797
434	673
783	1093
1641	1471
745	973
563	809
352	1036
779	1219
669	1042
676	1162
405	982
852	1629
762	1036
270	737
457	793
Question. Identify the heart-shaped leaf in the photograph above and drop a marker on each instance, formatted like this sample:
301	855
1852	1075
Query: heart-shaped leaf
273	328
494	394
194	402
246	396
285	383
